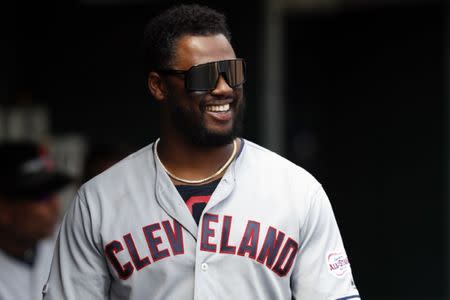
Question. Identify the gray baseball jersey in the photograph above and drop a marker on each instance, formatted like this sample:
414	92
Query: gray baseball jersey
267	232
19	280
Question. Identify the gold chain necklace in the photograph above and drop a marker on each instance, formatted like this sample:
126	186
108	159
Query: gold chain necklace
228	162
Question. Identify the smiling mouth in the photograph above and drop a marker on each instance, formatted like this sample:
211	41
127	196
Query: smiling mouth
218	108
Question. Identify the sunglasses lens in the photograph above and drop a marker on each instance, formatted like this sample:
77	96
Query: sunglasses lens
204	77
235	73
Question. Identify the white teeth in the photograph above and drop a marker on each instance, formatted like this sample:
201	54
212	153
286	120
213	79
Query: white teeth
218	108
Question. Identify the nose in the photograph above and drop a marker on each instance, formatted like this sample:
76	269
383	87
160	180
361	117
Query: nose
222	88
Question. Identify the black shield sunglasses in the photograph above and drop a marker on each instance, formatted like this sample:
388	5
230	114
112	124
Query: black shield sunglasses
204	77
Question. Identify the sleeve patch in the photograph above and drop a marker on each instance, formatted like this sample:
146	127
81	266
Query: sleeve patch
337	263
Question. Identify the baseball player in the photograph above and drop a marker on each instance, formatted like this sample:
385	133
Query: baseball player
29	209
200	213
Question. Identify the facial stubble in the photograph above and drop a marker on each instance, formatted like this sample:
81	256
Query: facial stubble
194	129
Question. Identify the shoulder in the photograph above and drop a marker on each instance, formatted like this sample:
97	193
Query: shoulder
261	168
271	164
132	165
121	178
275	178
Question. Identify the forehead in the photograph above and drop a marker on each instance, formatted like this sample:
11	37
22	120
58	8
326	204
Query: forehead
193	50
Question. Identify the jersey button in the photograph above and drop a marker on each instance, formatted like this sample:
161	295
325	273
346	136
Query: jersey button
204	266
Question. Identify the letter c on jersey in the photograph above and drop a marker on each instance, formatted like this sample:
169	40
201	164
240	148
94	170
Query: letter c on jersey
111	249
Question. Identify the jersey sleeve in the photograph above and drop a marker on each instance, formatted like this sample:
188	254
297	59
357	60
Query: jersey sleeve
322	270
78	269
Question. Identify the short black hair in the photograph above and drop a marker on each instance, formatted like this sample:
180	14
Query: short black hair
162	32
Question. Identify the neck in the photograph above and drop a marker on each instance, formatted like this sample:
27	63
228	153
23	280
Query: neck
190	161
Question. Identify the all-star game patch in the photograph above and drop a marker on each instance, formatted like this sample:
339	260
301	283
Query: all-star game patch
337	263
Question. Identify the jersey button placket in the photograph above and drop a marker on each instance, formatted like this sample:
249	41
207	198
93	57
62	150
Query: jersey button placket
204	267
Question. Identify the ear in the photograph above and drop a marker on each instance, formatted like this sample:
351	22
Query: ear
156	86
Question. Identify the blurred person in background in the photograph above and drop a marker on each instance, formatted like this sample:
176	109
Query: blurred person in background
29	208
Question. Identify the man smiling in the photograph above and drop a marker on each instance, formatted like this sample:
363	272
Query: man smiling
200	213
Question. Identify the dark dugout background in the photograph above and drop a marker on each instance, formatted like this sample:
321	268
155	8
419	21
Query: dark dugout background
366	110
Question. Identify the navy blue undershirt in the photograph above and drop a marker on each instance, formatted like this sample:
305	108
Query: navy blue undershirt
197	196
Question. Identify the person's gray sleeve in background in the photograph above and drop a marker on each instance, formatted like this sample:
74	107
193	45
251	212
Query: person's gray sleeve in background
322	270
78	269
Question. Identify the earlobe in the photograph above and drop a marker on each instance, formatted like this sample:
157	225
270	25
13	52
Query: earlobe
156	86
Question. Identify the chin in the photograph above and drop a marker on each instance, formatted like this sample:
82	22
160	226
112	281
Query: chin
213	139
200	132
